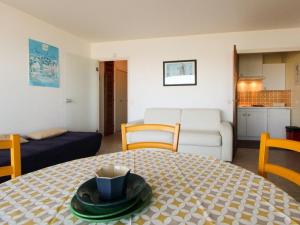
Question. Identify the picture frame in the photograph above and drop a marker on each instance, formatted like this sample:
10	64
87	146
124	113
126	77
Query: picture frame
43	64
180	73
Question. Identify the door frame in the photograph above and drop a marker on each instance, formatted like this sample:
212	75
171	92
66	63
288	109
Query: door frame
101	89
267	50
235	98
115	94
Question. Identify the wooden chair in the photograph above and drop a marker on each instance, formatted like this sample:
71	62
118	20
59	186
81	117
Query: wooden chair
264	167
150	127
13	144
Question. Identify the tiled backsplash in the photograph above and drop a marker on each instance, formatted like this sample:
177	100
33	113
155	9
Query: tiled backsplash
266	98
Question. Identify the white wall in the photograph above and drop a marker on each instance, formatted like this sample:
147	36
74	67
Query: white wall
25	108
214	56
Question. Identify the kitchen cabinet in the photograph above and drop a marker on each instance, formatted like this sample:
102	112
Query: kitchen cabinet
253	121
256	122
250	65
274	76
242	122
278	119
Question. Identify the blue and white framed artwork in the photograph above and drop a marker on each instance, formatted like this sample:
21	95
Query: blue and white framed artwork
43	64
180	72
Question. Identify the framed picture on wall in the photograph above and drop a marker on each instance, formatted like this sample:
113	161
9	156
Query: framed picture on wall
180	73
43	64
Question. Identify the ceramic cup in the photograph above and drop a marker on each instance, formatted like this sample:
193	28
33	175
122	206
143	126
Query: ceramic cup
111	181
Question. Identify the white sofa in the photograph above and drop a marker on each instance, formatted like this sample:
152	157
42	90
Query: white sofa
202	131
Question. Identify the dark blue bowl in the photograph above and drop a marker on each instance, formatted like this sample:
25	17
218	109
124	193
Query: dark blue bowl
111	188
111	181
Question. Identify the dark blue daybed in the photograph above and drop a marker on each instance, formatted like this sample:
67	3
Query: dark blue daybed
37	154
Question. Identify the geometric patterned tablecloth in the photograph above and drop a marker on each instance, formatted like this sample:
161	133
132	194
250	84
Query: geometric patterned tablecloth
188	189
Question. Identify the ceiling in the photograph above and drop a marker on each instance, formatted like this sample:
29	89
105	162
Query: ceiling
109	20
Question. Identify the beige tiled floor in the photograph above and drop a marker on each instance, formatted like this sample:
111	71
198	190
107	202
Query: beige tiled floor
111	143
245	157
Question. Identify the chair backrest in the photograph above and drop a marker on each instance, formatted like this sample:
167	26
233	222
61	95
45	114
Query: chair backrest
264	167
150	127
13	144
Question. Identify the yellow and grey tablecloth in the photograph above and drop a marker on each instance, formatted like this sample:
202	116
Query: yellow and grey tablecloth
188	189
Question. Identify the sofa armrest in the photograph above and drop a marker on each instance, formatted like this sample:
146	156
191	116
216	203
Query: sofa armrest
227	141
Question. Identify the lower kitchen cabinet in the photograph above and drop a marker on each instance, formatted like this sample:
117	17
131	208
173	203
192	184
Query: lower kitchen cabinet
256	122
242	123
278	119
253	121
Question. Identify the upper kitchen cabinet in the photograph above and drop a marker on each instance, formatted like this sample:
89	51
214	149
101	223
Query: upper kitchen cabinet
250	65
274	76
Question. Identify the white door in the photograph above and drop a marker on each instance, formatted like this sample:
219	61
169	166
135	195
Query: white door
82	94
278	119
242	123
257	122
121	98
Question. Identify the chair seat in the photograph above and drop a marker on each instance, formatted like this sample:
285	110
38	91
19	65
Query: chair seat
200	137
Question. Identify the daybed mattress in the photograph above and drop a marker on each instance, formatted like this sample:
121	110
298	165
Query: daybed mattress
37	154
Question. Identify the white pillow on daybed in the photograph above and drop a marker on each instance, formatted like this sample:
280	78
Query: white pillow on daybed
39	135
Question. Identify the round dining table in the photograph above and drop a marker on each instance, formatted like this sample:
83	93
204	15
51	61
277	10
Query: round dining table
187	189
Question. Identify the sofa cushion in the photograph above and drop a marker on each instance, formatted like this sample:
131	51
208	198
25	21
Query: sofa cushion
168	116
149	136
200	119
201	138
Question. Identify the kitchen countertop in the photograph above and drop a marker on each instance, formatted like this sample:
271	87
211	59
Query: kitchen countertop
264	107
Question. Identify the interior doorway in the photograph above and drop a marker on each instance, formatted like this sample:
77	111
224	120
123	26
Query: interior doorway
113	92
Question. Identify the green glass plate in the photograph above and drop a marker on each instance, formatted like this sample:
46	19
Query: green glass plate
94	211
125	215
82	211
78	211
